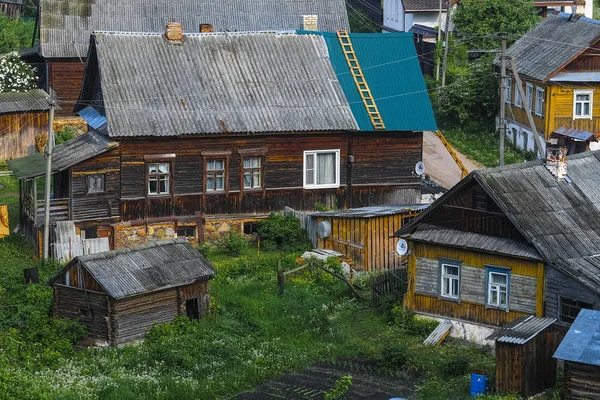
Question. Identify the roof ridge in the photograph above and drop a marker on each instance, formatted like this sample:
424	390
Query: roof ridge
124	250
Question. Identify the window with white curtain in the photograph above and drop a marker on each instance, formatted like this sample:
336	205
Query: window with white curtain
252	172
529	94
540	99
321	169
582	104
158	178
215	175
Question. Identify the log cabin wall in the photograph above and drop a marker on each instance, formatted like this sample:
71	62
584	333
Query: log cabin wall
19	130
560	286
10	10
582	381
64	78
526	284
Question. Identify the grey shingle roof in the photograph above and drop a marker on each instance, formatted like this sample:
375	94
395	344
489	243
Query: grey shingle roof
521	330
66	25
64	155
33	100
155	265
214	83
552	43
422	5
582	342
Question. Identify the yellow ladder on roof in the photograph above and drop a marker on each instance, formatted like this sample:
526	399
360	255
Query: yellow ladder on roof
361	82
464	171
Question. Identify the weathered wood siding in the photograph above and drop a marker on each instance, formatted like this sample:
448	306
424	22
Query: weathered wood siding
64	78
10	10
18	132
582	381
559	285
200	291
73	302
526	285
96	206
135	316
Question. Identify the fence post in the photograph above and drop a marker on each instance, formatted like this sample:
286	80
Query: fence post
280	278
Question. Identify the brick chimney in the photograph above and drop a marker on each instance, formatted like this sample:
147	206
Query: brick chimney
310	22
174	33
579	7
556	159
205	28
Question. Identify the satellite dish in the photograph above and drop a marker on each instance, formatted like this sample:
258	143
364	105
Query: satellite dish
419	168
401	247
324	229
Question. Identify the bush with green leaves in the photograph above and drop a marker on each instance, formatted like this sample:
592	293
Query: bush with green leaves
282	233
233	243
65	134
395	356
15	34
405	320
456	365
340	388
15	75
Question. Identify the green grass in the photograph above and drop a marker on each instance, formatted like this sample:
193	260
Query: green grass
484	147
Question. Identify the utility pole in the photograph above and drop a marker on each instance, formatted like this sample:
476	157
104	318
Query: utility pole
49	144
502	98
439	37
447	44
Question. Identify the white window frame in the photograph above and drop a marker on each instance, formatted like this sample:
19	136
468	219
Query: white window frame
508	90
497	287
252	171
313	153
591	101
158	177
540	100
96	188
518	99
216	173
529	95
450	278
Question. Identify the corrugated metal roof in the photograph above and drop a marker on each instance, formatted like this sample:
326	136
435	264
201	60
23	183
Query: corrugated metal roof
66	26
582	342
576	134
64	155
456	238
155	265
92	117
422	5
215	83
403	101
33	100
552	43
521	330
576	77
374	211
423	30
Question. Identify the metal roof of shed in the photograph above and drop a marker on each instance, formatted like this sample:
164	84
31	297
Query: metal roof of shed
582	342
152	266
373	211
65	26
521	330
32	100
573	133
64	155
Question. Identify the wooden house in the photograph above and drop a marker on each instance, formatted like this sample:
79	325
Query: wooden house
120	295
560	72
365	235
401	15
238	132
524	348
65	28
580	351
509	242
11	8
23	123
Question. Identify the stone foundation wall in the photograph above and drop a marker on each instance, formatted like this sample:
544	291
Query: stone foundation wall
127	235
215	229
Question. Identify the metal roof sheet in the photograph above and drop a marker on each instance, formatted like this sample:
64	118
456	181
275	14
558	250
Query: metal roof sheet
576	77
403	101
92	117
32	100
64	155
215	83
582	342
374	211
423	30
152	266
65	26
576	134
552	43
521	330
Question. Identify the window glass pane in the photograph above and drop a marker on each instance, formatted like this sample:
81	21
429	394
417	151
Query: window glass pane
455	287
210	183
493	297
256	179
578	109
451	270
219	183
309	169
210	165
499	278
152	168
219	164
586	108
164	184
152	186
310	161
247	162
163	168
326	168
247	179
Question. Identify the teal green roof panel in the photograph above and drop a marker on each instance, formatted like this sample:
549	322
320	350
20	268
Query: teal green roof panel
390	65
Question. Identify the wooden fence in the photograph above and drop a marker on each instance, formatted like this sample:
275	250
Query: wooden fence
391	282
306	222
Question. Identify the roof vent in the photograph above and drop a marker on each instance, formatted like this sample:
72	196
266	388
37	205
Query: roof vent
579	7
310	22
206	28
556	160
174	33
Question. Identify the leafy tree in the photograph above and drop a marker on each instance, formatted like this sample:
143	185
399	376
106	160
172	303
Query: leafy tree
15	34
492	17
360	21
15	75
30	8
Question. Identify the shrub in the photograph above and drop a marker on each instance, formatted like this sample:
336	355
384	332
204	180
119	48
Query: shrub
15	75
205	249
457	365
283	232
406	321
395	356
340	389
234	243
65	134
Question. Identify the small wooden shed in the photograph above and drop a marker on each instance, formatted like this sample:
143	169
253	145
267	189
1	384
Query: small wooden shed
23	118
120	295
580	350
524	349
366	234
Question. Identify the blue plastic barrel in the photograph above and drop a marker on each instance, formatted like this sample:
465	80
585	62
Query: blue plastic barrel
478	384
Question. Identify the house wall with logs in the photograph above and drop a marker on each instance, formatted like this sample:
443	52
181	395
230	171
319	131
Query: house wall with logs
64	78
19	133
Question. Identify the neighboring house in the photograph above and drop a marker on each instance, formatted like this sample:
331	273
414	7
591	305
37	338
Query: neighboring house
120	295
401	15
11	8
23	123
546	7
558	64
580	351
508	242
65	27
230	127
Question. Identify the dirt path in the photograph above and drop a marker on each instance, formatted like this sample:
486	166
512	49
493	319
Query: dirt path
439	165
